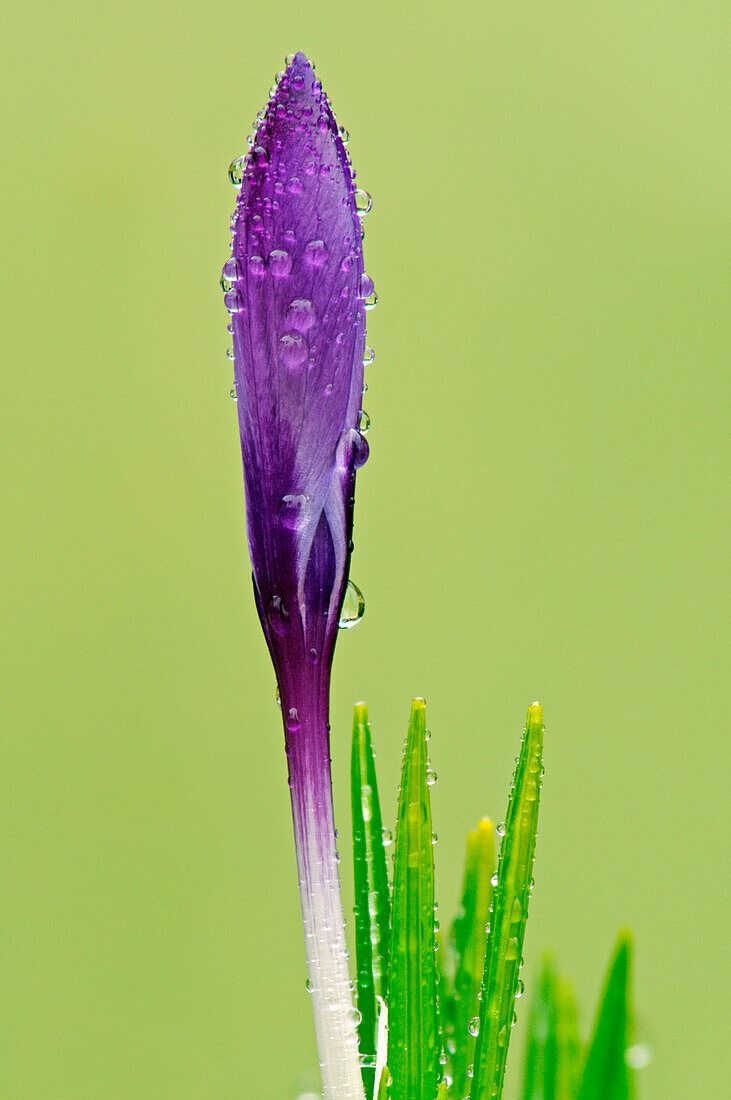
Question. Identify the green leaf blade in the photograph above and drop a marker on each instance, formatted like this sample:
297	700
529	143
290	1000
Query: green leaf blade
606	1074
553	1049
372	900
508	919
412	1016
470	941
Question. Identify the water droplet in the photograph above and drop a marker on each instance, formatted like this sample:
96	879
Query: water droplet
298	82
354	1016
474	1025
294	185
224	284
638	1055
293	349
278	616
300	315
291	508
517	911
261	156
278	697
236	170
344	135
280	263
316	253
352	446
470	1071
232	301
431	777
309	985
364	422
365	286
363	202
233	393
519	989
387	837
229	353
293	720
493	880
257	266
500	829
434	838
230	328
231	270
502	1037
323	123
368	356
288	60
353	607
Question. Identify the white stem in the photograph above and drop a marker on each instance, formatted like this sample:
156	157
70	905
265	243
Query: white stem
327	953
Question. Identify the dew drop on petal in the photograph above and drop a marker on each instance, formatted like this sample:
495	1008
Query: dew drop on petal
363	202
293	720
368	356
231	270
291	509
353	607
293	349
280	263
316	253
232	301
300	315
364	422
236	170
233	393
278	616
365	286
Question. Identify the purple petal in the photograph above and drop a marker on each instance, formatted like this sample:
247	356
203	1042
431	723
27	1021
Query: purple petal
297	301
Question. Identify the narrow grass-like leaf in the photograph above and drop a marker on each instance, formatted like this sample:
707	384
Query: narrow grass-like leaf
509	913
372	902
383	1084
553	1049
606	1074
470	941
442	1093
412	1016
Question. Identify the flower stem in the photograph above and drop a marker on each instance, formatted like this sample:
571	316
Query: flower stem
322	914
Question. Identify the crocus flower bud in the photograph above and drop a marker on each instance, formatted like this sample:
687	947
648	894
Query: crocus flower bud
297	300
297	293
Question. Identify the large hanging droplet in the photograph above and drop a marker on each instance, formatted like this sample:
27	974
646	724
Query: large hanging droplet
236	170
353	607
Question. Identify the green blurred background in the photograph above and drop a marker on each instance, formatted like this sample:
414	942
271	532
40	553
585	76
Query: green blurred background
542	517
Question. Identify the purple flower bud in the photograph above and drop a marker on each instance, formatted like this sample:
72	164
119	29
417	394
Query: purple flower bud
297	302
297	294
